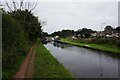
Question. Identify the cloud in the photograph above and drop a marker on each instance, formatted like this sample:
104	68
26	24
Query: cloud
76	15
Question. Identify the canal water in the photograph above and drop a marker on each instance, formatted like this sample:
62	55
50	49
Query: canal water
85	63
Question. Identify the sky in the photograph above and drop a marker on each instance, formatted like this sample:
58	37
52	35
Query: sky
77	15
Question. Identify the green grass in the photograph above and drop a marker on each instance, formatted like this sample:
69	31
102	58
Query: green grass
46	66
9	73
102	47
107	48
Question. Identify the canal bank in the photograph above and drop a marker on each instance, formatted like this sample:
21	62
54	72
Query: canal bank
46	66
99	47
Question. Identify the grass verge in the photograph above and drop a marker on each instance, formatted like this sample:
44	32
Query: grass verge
101	47
46	66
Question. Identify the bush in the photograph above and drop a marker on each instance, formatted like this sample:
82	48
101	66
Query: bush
118	43
13	41
110	41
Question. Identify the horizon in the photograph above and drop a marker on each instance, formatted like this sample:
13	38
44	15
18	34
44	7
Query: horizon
82	28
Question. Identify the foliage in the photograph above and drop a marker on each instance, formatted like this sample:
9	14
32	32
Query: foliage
63	33
108	28
13	40
45	34
20	29
109	41
30	23
84	32
118	29
101	47
48	66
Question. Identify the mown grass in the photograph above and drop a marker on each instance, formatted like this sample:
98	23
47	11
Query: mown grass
102	47
107	48
46	66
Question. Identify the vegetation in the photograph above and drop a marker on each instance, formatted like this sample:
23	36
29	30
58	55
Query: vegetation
63	33
20	30
102	47
30	23
46	66
109	37
10	72
83	33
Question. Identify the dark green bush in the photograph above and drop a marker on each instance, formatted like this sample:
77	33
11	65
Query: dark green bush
13	41
111	41
118	43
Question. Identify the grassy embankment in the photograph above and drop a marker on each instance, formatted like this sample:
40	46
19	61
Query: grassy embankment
102	47
46	66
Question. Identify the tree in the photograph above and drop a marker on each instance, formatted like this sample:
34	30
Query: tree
118	28
45	34
108	30
30	24
85	33
64	33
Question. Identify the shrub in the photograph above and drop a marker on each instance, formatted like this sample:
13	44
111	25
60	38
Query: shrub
13	41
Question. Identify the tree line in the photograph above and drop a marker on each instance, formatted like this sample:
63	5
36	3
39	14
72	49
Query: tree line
83	33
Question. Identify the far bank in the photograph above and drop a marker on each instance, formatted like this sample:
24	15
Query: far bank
100	47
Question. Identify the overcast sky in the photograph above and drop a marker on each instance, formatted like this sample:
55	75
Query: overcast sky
76	15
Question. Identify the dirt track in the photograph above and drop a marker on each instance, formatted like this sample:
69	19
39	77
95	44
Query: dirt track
27	67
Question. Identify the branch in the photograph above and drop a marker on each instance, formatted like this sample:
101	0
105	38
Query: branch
8	6
21	4
28	6
14	5
34	7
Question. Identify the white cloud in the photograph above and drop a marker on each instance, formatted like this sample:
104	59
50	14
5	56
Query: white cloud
76	15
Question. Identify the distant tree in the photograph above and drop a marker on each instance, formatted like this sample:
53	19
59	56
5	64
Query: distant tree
108	29
78	31
45	34
85	33
118	28
64	33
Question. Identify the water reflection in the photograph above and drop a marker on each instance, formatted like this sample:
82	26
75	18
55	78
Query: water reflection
61	45
85	63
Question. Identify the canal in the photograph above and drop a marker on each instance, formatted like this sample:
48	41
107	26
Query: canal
85	63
